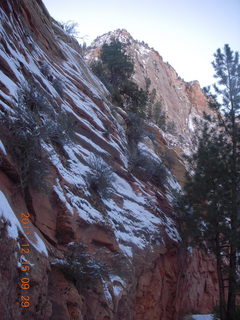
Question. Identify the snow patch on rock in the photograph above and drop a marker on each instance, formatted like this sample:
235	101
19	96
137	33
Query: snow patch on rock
2	148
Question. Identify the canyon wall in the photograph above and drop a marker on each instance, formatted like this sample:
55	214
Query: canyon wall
91	257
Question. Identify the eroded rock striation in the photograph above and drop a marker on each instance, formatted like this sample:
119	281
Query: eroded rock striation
91	256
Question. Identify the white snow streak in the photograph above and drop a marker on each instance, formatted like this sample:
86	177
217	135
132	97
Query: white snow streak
2	148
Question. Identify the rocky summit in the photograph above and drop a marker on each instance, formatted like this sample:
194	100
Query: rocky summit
84	235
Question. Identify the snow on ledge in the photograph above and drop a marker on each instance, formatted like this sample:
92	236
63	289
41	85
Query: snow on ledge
7	213
13	229
202	317
39	244
2	148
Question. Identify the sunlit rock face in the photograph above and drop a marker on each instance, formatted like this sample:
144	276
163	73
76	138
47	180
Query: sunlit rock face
92	257
182	101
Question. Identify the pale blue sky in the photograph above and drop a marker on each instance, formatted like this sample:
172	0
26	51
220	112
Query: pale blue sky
186	33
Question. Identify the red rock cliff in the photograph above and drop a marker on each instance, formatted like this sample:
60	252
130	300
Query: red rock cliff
90	258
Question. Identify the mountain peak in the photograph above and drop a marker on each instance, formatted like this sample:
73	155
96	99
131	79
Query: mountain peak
165	84
121	34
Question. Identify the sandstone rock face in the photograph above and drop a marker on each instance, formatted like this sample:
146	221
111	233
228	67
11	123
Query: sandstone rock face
182	101
91	258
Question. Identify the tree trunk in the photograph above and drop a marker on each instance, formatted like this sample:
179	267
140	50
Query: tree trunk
231	303
222	303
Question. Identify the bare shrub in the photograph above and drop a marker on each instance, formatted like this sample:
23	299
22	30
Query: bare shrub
33	98
86	269
58	86
45	70
148	168
71	28
24	145
101	178
61	130
83	268
33	122
157	173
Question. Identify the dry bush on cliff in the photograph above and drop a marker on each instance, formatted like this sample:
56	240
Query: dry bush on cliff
60	130
85	270
152	170
24	146
45	69
32	97
58	86
70	27
82	268
101	178
33	122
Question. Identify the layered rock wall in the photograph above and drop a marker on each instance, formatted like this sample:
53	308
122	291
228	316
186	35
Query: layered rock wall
132	237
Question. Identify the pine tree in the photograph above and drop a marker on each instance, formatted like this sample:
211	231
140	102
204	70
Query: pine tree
206	198
119	65
114	68
227	71
211	200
